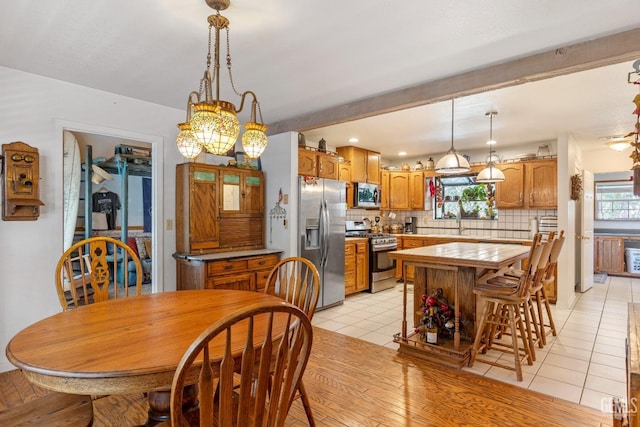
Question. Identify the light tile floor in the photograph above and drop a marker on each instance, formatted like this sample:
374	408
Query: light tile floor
584	364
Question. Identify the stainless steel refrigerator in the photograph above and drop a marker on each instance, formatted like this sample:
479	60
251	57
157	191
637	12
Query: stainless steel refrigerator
321	221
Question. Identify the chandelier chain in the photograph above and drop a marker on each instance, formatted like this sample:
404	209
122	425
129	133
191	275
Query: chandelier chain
233	86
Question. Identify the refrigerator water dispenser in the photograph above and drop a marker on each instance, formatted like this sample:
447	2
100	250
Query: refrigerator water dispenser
312	234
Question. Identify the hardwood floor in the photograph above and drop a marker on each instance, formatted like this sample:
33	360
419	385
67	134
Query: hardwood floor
354	383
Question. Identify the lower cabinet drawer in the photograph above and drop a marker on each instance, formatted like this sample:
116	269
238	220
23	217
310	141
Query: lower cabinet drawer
349	282
226	266
261	279
263	261
240	282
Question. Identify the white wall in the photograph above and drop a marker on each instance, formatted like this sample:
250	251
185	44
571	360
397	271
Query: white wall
32	109
280	165
606	160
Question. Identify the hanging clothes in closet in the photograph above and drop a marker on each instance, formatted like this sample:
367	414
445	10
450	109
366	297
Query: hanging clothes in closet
106	202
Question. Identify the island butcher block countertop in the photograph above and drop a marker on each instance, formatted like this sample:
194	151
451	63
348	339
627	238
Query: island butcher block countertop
463	238
466	254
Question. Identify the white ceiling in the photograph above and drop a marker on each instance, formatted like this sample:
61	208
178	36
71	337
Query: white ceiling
305	55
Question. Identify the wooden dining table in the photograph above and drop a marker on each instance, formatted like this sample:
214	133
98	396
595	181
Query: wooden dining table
456	268
125	346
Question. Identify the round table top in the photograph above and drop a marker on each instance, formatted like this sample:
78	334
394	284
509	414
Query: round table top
123	345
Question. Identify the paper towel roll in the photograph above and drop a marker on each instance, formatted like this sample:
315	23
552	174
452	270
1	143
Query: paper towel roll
533	226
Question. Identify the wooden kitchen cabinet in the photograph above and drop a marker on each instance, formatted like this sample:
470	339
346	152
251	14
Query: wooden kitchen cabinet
384	190
402	190
315	163
197	214
344	171
528	185
356	265
609	254
242	192
399	190
233	270
362	266
365	164
213	198
416	190
344	174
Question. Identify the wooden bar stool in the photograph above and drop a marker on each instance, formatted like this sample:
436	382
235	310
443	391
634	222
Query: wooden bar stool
508	311
540	297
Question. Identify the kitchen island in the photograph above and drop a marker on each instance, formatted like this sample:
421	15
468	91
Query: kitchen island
454	267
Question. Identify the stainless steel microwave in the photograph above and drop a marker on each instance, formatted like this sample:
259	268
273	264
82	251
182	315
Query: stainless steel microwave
366	195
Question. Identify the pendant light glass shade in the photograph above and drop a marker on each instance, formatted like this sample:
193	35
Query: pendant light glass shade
254	140
187	144
452	162
491	173
216	127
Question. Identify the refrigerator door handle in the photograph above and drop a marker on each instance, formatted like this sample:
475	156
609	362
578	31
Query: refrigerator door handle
321	233
326	231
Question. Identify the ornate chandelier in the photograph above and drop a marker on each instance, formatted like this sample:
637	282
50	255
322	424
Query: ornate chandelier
214	124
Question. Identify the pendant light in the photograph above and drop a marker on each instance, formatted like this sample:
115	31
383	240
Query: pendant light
214	125
491	173
452	162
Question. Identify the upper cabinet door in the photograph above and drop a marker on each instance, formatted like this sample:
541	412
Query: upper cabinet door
307	162
253	193
373	167
327	167
416	190
358	165
510	192
543	184
399	190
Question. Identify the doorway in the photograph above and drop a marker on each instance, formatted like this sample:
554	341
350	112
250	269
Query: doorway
142	202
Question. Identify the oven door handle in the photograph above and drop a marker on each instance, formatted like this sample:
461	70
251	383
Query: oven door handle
385	248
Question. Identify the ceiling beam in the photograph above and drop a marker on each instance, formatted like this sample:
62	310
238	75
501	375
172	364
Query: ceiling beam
595	53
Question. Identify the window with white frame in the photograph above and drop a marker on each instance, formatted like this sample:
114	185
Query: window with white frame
615	201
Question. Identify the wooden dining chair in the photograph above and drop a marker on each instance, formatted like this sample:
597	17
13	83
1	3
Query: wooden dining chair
296	280
95	270
270	368
508	309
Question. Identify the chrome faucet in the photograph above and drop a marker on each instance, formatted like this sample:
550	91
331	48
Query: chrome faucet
460	227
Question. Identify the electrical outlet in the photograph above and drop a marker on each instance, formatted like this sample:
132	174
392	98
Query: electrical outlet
169	224
425	220
286	199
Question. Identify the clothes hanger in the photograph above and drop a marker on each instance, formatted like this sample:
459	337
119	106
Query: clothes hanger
103	190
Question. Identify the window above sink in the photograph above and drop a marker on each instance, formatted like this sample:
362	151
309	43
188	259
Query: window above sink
461	197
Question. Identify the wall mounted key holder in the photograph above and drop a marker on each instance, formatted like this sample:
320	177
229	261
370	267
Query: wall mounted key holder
20	182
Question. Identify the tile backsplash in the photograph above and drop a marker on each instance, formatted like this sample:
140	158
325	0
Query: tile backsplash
511	223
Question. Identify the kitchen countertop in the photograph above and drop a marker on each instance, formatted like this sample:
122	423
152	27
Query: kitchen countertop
228	255
356	239
482	239
616	232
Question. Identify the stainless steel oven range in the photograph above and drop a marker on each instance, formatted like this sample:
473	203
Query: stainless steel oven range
381	267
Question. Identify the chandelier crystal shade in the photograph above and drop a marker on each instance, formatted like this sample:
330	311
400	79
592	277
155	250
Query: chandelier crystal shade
491	173
452	162
211	122
187	144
